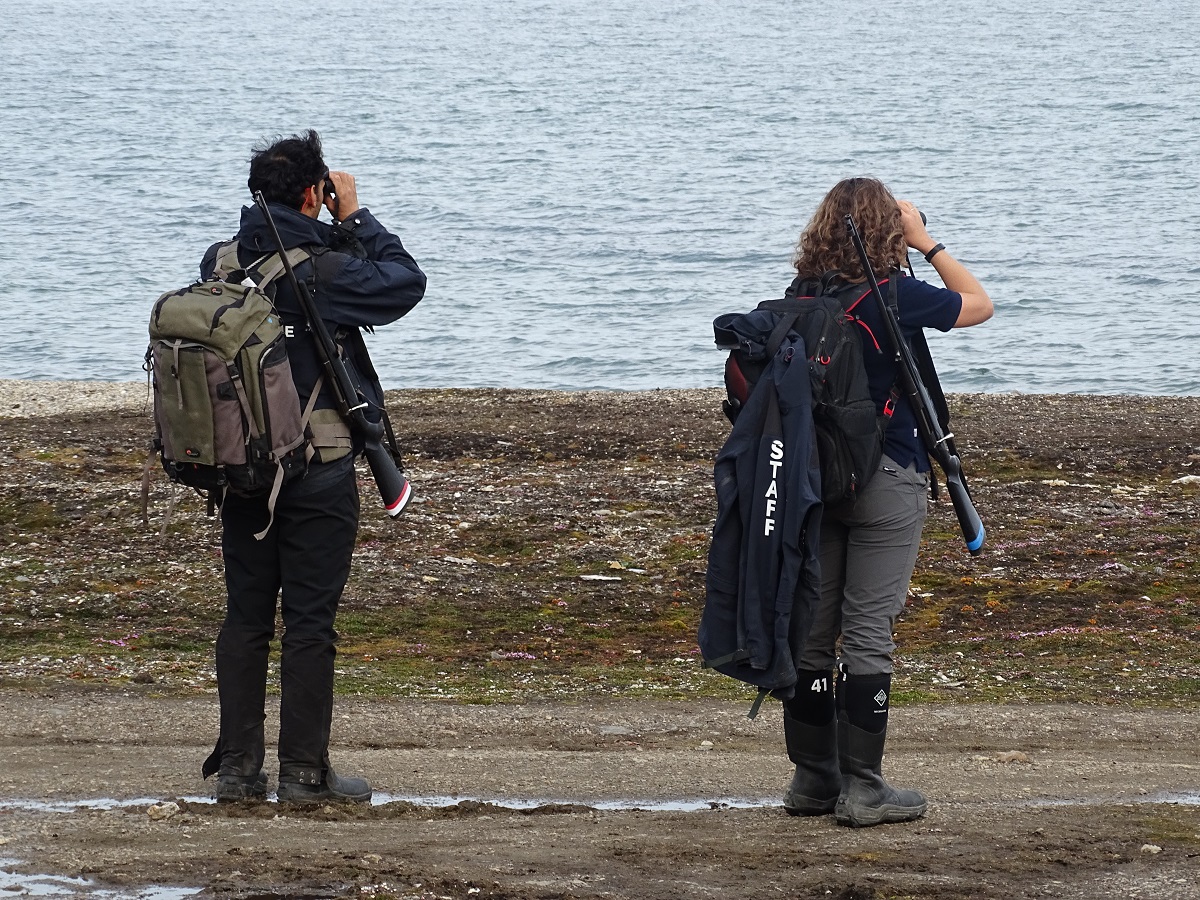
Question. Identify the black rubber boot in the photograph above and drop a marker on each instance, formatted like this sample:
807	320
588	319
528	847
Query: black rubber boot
866	798
817	782
810	731
321	786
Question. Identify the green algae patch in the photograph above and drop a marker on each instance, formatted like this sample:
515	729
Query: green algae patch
557	548
24	515
1173	826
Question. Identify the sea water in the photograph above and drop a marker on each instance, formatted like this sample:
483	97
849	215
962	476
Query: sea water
587	185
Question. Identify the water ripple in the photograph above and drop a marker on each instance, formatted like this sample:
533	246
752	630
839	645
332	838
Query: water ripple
588	186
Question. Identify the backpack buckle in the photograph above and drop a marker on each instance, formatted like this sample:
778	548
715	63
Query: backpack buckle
889	407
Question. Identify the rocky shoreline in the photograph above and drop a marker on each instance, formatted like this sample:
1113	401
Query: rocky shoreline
562	537
25	399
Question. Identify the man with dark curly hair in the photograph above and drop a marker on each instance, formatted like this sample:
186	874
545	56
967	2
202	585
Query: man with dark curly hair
361	277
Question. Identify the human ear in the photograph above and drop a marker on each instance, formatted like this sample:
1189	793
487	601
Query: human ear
312	201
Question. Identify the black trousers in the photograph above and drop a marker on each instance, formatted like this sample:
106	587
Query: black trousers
305	559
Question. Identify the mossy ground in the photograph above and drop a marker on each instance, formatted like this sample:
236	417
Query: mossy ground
558	550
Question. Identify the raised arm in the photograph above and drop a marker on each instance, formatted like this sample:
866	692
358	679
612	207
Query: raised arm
384	286
976	304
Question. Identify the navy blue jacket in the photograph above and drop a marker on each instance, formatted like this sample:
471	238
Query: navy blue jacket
763	566
361	277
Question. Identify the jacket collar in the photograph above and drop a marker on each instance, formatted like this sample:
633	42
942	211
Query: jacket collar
295	228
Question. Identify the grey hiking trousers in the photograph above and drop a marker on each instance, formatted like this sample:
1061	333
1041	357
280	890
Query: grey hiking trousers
868	551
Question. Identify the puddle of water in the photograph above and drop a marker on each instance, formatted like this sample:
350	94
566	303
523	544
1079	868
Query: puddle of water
101	803
15	884
1173	797
1182	799
435	801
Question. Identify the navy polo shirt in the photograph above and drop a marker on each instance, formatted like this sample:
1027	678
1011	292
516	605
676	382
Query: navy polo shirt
921	305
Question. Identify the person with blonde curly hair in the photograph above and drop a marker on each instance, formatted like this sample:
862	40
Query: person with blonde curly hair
868	546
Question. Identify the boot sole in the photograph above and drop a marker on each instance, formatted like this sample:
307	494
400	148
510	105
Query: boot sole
807	806
240	794
878	815
226	797
286	796
240	791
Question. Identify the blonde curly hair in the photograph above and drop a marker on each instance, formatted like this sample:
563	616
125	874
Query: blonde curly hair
825	245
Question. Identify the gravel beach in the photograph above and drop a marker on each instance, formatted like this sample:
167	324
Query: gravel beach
24	399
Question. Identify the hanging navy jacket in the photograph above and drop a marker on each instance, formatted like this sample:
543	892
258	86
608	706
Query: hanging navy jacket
763	568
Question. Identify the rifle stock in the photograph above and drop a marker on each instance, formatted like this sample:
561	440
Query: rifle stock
394	489
936	441
968	518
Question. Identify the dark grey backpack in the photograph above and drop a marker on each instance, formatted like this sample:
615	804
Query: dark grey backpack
849	428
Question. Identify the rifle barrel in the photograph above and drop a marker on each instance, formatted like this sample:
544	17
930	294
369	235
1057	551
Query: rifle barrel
936	442
394	488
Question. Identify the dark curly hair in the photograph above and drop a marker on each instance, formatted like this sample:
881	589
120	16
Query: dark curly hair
284	168
825	246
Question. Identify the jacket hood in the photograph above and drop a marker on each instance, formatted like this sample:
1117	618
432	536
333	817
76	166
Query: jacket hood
748	332
295	228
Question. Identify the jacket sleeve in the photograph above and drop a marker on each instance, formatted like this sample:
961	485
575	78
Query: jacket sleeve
209	262
376	290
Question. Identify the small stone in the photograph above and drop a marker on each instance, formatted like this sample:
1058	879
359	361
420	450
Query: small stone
1012	756
1151	848
161	811
706	745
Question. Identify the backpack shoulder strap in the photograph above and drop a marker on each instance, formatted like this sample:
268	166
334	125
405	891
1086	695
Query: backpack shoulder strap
326	262
263	271
267	270
789	311
779	332
226	262
893	292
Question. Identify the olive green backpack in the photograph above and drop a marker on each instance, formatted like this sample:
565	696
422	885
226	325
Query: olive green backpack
227	415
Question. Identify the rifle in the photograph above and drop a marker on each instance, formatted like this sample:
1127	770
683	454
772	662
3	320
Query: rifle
394	488
939	444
